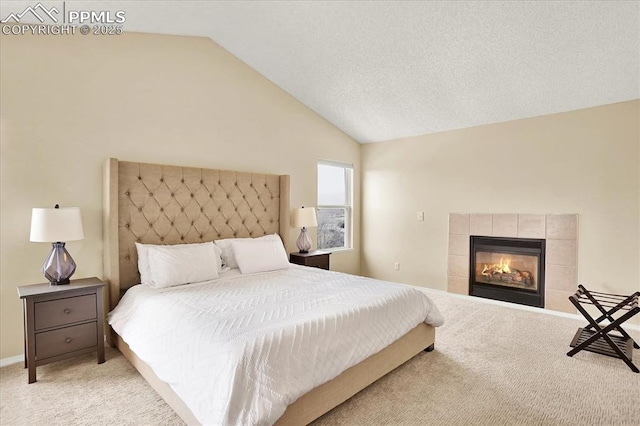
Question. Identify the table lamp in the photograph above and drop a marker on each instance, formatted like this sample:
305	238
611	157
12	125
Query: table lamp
55	225
302	218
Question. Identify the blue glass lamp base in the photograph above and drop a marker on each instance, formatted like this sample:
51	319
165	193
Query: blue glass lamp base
58	266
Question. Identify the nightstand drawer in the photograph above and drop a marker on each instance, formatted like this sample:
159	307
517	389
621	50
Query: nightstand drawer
64	340
58	312
314	259
318	261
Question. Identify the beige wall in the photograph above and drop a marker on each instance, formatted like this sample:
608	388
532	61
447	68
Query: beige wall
68	103
583	162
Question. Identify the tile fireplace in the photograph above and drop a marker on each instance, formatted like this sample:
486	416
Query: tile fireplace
557	271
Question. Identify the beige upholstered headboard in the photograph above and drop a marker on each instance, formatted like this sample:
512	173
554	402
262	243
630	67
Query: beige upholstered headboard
159	204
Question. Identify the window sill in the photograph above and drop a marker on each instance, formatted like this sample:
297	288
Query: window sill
338	250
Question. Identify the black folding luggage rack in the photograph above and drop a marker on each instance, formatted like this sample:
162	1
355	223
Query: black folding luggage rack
595	338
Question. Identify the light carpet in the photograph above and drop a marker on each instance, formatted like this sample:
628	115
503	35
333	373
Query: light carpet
493	365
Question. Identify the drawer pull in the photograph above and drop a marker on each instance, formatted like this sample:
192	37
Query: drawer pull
67	340
67	311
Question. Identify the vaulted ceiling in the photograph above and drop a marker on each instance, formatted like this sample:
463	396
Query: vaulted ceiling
383	70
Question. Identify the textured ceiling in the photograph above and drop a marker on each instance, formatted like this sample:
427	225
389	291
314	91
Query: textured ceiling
385	70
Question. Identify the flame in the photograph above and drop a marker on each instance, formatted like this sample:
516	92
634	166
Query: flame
504	267
501	268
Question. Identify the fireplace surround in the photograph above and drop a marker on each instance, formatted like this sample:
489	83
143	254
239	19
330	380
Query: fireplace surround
560	232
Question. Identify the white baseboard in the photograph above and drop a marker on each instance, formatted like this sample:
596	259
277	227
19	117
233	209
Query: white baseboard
517	306
11	360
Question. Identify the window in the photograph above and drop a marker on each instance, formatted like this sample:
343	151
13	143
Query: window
334	205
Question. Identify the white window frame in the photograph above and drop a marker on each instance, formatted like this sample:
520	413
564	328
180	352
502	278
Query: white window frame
348	207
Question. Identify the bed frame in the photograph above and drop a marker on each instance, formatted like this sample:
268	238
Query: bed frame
159	204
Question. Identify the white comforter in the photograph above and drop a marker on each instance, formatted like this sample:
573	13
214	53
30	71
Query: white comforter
240	349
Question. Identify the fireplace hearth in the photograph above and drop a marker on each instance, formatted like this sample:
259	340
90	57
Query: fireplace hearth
507	269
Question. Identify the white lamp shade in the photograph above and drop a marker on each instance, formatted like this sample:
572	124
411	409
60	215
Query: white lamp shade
49	225
304	217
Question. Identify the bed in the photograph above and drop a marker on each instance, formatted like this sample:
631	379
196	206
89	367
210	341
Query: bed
167	205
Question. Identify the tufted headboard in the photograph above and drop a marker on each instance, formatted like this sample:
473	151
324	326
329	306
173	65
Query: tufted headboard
158	204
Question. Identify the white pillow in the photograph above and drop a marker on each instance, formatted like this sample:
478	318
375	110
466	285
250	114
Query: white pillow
143	257
228	258
190	264
260	255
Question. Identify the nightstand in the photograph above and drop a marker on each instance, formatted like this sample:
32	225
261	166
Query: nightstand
62	321
316	259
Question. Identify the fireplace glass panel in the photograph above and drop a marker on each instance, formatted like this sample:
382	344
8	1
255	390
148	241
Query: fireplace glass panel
508	270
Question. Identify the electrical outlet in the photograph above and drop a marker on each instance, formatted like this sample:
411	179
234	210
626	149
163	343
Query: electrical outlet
396	266
420	216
